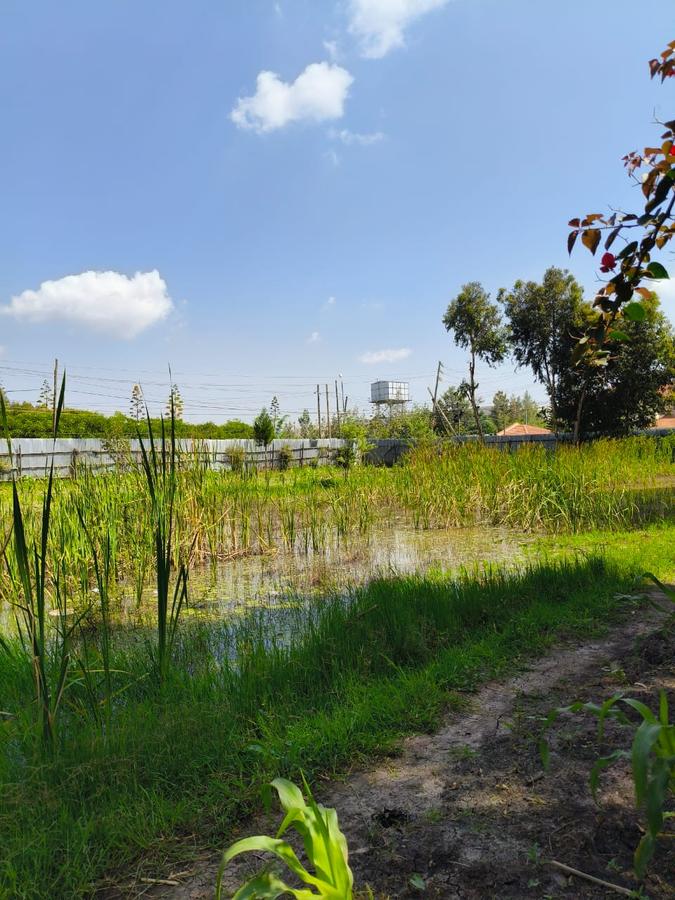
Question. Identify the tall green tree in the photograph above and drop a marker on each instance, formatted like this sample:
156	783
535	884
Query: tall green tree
539	317
630	389
501	410
263	428
477	327
307	430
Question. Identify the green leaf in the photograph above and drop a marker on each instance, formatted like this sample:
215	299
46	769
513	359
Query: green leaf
634	312
265	886
275	846
645	738
644	852
627	250
656	270
602	763
416	881
657	796
615	335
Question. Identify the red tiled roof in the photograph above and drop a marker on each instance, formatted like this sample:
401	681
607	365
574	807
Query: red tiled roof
665	422
519	429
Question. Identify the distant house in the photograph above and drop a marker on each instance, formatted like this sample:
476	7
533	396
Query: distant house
665	422
519	430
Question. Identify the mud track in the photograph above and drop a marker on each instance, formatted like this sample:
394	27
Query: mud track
468	813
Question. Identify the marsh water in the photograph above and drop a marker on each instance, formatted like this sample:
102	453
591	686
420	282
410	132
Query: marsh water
225	589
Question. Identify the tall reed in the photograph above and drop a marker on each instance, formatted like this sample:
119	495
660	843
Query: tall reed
160	468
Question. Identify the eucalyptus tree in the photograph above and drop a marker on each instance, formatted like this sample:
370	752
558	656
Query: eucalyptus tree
476	325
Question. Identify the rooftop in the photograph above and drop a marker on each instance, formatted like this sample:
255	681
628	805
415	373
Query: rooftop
517	428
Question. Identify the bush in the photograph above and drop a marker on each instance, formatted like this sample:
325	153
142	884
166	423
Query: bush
345	457
237	459
285	458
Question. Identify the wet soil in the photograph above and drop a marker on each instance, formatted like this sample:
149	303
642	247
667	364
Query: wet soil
469	813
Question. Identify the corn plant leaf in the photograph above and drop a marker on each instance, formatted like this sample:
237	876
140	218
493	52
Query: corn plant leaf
602	763
657	794
268	886
663	708
643	709
668	591
278	848
325	847
645	738
643	853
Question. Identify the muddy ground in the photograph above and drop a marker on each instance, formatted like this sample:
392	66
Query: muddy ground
469	813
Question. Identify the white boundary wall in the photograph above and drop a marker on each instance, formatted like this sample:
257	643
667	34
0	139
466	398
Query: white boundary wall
33	456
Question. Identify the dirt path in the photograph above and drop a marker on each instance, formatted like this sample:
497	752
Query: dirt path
468	813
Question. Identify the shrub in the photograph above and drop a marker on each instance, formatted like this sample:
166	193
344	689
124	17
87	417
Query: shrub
345	457
285	458
237	459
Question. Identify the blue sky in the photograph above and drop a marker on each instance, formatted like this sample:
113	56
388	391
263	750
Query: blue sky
261	234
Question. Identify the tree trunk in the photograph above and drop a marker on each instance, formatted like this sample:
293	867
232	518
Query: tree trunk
472	397
577	421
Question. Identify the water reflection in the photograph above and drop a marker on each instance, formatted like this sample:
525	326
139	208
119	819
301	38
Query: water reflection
282	579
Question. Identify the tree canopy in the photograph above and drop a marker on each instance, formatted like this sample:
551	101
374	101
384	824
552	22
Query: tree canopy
539	318
476	325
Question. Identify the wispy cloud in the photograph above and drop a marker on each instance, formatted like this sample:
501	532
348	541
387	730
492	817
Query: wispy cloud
330	303
314	338
318	94
106	302
374	357
379	25
351	137
332	157
332	49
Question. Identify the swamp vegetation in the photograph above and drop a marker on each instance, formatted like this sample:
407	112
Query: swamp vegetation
123	747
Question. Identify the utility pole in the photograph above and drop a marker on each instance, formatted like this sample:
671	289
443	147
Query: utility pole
434	396
328	411
342	394
438	409
56	378
318	408
337	404
438	378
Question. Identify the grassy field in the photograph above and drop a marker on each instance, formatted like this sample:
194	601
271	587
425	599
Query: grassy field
607	485
118	747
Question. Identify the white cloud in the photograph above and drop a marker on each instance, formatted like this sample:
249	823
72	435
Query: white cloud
332	157
107	302
373	357
351	137
278	10
332	49
314	338
317	94
379	25
330	303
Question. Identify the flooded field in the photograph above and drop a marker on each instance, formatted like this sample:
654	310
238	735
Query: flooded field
223	590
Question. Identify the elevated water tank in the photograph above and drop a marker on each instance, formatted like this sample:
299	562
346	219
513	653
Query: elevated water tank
389	392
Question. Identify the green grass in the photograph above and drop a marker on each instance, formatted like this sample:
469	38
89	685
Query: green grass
608	485
159	738
317	689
